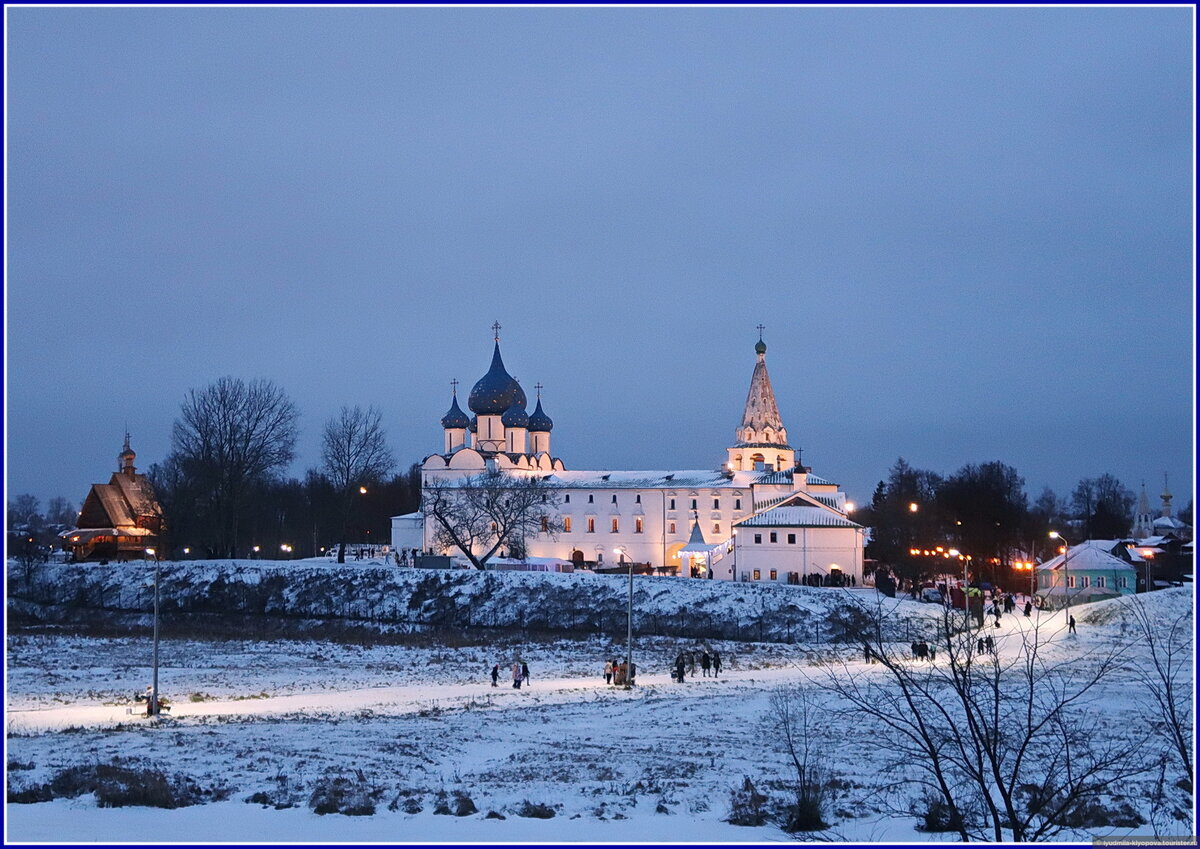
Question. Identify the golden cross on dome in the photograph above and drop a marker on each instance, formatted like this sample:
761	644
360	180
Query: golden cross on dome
538	388
760	329
454	387
496	330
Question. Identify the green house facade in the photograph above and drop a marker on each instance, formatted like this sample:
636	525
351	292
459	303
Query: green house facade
1087	572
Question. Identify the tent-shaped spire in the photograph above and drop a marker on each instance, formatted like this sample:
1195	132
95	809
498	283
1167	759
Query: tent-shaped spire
760	420
696	541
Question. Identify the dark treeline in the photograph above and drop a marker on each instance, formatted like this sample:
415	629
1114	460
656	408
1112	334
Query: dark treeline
223	490
983	511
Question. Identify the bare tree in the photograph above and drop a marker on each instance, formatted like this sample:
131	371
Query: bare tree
1005	742
479	514
792	713
62	513
1166	676
229	437
354	453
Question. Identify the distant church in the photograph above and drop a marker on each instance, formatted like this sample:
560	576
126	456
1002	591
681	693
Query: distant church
760	516
119	519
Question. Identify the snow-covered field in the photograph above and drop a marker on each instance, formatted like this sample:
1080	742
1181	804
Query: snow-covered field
412	725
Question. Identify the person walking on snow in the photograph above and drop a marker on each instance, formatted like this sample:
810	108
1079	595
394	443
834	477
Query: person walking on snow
716	661
524	672
608	672
705	663
496	675
679	668
1071	625
516	676
1028	608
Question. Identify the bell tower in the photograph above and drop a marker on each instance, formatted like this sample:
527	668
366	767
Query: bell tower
761	439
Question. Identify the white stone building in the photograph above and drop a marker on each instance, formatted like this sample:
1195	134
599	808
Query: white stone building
761	516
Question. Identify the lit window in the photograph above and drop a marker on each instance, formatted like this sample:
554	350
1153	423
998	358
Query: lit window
591	526
545	524
670	527
614	526
774	575
757	575
567	524
716	527
1071	582
637	525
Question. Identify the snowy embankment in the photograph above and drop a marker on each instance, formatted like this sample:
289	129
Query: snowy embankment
381	596
260	727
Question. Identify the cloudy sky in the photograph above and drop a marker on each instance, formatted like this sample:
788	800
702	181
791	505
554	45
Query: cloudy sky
968	232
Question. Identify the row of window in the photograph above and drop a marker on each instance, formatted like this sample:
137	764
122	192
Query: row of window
615	525
792	577
737	502
774	536
1082	582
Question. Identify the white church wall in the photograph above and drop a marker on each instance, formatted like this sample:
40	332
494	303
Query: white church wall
814	550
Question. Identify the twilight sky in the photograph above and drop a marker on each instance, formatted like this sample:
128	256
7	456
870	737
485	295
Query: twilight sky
967	231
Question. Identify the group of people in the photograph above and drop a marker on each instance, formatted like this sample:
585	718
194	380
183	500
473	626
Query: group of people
923	650
520	674
618	672
685	664
985	644
405	556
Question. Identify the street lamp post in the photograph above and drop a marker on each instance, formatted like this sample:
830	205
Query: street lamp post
152	707
620	552
954	552
1066	579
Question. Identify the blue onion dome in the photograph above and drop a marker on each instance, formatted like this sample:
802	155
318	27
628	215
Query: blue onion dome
760	347
455	417
496	391
539	421
515	416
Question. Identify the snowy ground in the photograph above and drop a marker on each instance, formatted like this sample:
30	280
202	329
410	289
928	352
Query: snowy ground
654	764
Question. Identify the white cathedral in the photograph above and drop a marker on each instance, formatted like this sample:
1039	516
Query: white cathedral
761	516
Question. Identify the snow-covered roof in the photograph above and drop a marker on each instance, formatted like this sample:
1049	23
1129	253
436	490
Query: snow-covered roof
791	515
666	479
1169	522
1152	541
784	476
1088	555
417	515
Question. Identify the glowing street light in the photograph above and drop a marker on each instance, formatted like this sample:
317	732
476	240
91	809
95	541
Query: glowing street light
1066	579
913	507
